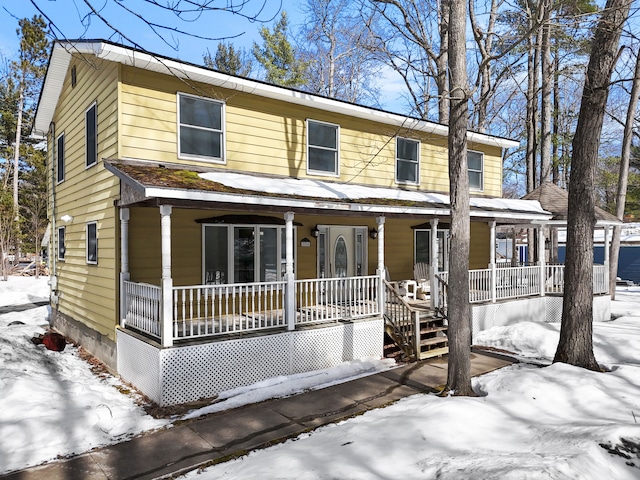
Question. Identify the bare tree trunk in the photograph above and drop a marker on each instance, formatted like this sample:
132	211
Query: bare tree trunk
16	162
555	157
576	333
459	372
547	81
623	177
531	115
442	62
484	42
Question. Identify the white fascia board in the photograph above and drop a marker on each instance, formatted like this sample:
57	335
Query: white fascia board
54	79
158	64
178	194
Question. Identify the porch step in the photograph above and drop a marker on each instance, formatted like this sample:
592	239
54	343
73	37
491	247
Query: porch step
433	336
390	349
435	352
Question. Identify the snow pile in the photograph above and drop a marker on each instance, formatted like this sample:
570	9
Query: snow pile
556	422
279	387
51	403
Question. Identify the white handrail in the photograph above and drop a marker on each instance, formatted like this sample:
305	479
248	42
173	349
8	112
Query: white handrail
333	299
204	310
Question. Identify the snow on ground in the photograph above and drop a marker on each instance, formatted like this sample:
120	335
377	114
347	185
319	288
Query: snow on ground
527	422
51	404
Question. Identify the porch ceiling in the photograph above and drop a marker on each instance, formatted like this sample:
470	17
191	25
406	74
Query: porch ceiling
148	183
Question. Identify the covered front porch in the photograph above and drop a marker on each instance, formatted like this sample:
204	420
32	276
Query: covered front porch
213	303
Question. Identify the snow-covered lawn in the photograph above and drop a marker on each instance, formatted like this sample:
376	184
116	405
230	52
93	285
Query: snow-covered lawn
529	422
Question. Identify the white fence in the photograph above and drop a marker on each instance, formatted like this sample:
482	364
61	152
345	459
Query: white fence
142	307
213	310
203	310
333	299
516	282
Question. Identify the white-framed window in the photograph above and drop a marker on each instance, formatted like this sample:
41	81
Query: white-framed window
407	161
91	135
422	247
475	161
243	253
60	158
92	243
61	246
322	148
200	128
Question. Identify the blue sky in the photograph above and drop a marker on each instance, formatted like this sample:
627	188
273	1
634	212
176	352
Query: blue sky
71	20
70	17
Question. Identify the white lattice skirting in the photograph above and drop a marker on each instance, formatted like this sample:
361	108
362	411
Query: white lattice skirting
180	374
535	309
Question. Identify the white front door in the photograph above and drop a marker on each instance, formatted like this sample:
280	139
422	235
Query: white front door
342	251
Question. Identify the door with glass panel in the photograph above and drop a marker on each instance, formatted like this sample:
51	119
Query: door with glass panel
341	254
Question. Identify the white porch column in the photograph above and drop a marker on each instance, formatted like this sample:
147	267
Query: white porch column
124	262
433	264
380	270
542	260
166	306
289	293
492	259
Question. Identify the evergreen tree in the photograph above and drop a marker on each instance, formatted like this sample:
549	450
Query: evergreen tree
278	57
230	60
18	96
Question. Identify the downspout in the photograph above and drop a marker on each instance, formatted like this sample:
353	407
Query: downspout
53	279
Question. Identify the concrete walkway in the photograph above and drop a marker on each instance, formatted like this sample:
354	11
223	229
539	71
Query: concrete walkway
224	435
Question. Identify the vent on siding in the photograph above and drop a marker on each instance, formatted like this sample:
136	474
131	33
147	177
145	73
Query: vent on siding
73	76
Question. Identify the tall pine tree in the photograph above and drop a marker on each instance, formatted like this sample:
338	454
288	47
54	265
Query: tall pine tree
278	57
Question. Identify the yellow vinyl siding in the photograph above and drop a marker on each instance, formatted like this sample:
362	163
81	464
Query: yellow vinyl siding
479	253
88	292
186	244
269	136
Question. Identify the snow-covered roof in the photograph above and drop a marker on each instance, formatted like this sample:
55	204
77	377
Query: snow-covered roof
183	183
61	57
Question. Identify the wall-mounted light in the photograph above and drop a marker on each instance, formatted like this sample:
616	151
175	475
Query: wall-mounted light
305	242
373	233
315	231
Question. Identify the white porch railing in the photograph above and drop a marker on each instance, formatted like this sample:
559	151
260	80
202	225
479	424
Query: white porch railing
209	310
514	282
142	307
202	310
333	299
517	282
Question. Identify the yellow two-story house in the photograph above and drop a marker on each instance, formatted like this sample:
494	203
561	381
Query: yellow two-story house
211	231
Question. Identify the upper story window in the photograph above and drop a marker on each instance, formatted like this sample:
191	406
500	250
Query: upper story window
475	161
407	161
60	158
91	135
92	243
61	247
200	122
322	148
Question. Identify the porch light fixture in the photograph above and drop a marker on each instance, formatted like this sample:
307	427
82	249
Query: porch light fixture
315	231
373	233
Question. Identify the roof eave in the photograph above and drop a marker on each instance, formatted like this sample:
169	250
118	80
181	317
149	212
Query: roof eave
61	56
